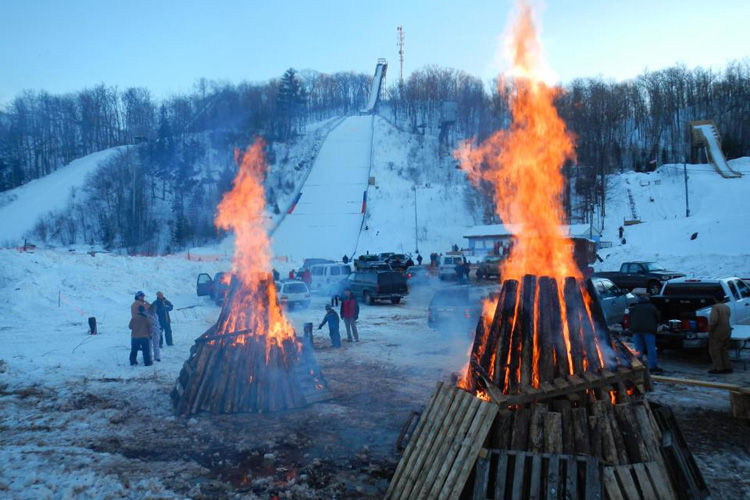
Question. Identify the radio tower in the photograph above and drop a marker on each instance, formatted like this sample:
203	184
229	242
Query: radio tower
400	42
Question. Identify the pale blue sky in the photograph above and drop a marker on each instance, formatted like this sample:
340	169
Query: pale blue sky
66	45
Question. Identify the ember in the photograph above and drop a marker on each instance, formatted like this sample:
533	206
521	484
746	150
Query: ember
250	360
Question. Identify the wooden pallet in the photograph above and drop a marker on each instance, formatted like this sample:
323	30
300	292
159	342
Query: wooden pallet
518	475
441	454
644	481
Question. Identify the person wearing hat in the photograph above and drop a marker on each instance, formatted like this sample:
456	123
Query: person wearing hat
140	330
163	306
333	326
644	323
719	331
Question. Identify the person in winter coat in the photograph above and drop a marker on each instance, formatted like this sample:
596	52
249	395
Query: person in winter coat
719	331
409	263
307	277
155	332
345	260
350	314
276	275
419	259
163	306
644	323
333	326
140	330
291	274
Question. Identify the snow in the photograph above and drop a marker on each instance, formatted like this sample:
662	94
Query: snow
328	216
719	214
22	207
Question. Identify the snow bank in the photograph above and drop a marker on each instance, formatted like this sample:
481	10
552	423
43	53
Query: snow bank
23	206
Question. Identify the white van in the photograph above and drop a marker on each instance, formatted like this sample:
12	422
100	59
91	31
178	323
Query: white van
447	266
328	278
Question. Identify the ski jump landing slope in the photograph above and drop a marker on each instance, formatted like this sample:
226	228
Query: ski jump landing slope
326	220
709	135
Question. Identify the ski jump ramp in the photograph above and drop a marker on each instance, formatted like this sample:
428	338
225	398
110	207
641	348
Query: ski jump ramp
327	217
705	134
377	85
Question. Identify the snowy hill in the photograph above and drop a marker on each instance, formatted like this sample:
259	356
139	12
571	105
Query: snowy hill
22	207
719	214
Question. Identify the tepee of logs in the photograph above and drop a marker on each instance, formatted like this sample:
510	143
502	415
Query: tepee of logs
247	371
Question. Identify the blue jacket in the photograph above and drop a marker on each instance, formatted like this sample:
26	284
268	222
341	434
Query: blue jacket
333	321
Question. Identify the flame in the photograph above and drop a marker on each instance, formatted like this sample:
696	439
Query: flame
523	163
254	308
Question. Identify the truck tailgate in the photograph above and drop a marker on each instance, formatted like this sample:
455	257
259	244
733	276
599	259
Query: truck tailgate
680	306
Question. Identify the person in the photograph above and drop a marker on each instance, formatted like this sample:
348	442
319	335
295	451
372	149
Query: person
345	260
409	263
155	333
333	326
455	247
307	277
163	306
460	270
419	259
350	315
621	230
140	330
276	274
644	322
291	274
719	331
433	259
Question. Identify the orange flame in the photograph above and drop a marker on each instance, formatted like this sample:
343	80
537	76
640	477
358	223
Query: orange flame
524	164
254	307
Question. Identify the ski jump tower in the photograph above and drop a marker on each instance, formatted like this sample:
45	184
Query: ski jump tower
378	83
705	138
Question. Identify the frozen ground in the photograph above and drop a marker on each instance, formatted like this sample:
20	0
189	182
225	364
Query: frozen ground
76	421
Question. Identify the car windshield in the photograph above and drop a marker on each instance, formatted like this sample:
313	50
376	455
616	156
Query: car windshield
295	288
653	266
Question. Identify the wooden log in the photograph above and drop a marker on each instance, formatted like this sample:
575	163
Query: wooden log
595	436
206	376
564	408
549	327
492	337
597	313
520	437
581	432
636	448
739	403
593	361
536	428
500	371
622	453
553	440
199	359
501	433
527	318
573	305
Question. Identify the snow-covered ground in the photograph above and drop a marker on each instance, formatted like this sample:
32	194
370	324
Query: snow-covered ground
21	208
719	215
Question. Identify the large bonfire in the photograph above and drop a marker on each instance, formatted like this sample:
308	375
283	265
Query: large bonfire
250	360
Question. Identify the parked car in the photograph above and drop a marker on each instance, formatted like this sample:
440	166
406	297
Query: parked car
328	278
292	294
370	286
614	300
456	309
365	261
685	306
417	275
447	265
489	267
648	275
216	287
384	256
397	261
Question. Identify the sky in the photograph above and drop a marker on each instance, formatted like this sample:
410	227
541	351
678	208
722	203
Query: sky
166	45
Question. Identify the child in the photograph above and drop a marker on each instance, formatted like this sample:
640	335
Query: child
155	332
333	326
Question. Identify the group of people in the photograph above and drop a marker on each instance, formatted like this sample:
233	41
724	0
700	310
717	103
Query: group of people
349	312
645	321
150	325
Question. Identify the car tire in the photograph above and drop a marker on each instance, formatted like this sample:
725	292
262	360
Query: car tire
654	287
368	298
395	300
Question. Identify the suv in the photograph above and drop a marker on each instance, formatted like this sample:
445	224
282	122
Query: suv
293	293
328	278
216	288
490	266
447	265
372	285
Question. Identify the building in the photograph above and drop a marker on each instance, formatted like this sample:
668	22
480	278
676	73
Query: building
492	238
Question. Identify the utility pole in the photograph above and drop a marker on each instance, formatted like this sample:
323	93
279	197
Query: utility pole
416	222
687	196
400	42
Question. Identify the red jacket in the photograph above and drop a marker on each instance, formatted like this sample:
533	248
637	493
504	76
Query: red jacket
350	308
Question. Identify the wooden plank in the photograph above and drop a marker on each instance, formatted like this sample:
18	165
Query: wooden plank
563	407
467	455
593	480
481	478
659	479
501	476
518	474
536	429
610	484
553	478
519	439
595	436
700	383
553	433
581	431
535	487
571	479
628	487
644	481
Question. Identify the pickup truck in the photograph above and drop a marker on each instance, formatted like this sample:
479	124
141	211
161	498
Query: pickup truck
648	275
685	306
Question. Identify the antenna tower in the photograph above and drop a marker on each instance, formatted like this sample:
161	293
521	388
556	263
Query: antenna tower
400	41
